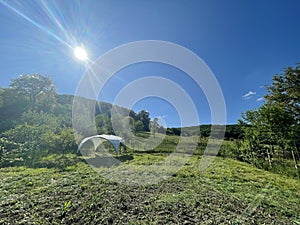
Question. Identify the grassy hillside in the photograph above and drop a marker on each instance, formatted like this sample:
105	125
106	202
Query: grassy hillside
228	192
44	181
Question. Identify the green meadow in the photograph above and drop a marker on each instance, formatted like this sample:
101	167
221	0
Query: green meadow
227	192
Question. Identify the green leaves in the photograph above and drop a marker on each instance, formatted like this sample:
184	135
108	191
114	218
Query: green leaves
273	129
66	206
285	90
11	153
38	90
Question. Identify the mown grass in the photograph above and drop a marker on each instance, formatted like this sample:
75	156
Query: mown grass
227	192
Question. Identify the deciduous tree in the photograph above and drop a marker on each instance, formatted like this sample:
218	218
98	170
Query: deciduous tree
39	91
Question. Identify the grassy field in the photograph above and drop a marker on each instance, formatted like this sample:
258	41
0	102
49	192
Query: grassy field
227	192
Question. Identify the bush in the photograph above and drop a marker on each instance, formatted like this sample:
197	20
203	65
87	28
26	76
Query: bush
12	153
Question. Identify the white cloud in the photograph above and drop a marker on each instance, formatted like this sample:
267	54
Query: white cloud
260	99
249	95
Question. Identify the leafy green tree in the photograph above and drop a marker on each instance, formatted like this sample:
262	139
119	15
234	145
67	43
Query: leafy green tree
39	91
143	116
103	124
31	130
11	153
269	126
129	124
12	108
275	125
285	90
233	131
133	115
128	128
61	142
154	126
138	126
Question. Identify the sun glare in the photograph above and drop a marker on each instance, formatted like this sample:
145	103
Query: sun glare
80	53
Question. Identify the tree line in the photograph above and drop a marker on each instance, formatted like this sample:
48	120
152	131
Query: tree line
36	121
271	133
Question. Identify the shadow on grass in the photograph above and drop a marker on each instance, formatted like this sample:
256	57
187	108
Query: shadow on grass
108	161
60	162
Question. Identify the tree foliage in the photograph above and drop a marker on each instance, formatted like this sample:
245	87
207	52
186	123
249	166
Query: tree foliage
11	153
13	105
143	116
272	131
154	125
285	91
38	90
36	122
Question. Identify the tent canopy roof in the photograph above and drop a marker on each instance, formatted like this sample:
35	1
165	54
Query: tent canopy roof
96	139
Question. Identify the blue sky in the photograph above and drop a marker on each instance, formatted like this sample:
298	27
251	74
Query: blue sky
244	42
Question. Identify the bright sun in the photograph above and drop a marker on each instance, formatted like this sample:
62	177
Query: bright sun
80	53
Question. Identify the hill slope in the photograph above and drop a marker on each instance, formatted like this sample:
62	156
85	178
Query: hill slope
228	192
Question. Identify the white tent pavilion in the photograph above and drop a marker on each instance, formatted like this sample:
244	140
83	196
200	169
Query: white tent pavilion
98	139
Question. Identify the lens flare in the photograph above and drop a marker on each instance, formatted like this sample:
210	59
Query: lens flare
80	53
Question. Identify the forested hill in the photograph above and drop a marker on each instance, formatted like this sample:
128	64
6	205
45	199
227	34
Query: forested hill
14	105
36	94
36	121
232	131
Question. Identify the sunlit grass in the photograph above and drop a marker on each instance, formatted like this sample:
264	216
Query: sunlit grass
228	191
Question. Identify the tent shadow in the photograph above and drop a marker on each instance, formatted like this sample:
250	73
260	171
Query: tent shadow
108	161
124	158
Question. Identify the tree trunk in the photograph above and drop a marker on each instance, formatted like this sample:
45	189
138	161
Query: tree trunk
252	155
297	151
295	161
269	157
